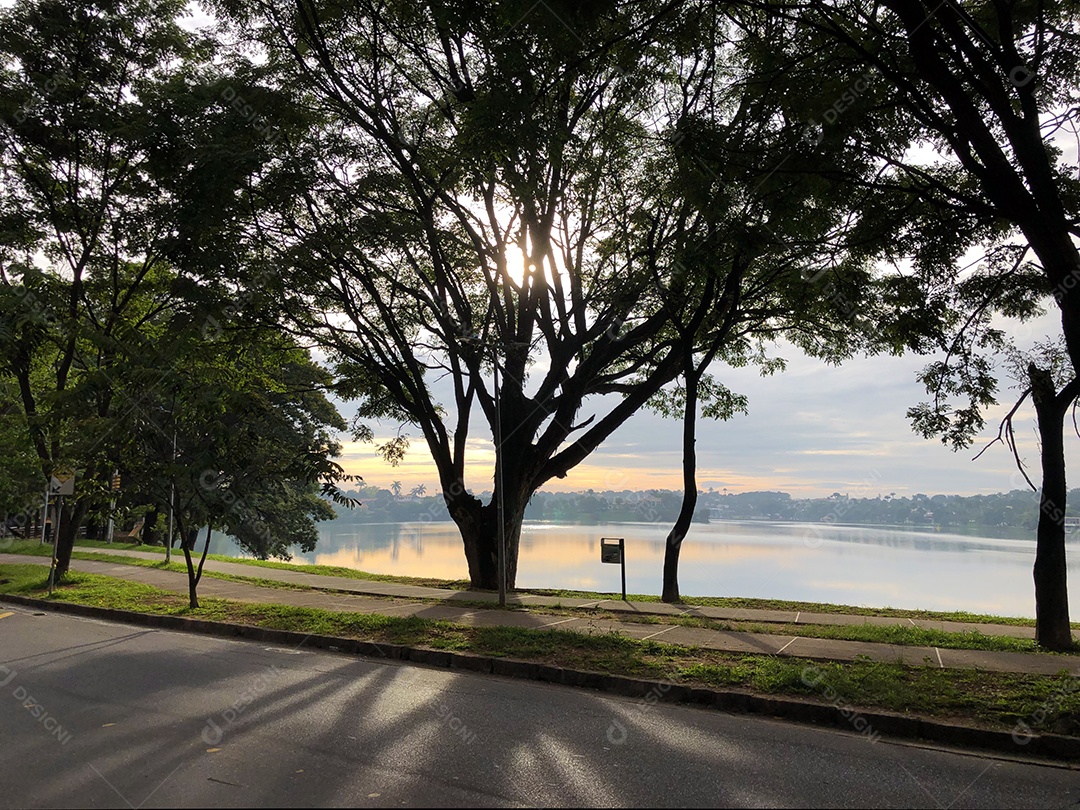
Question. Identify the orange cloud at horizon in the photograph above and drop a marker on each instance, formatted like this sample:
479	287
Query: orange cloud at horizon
637	473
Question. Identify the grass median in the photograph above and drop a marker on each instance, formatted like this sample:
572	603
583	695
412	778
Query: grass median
1044	703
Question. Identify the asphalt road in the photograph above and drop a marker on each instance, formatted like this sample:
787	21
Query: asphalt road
96	714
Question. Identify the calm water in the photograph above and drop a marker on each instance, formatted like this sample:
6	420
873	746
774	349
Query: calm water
854	565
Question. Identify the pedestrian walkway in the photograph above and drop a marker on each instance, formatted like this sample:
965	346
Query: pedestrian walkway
396	599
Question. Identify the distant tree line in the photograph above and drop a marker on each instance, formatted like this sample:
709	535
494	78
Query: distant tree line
1016	509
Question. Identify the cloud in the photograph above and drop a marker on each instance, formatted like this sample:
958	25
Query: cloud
812	430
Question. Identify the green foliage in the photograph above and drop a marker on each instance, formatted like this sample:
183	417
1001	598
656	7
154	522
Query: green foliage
717	401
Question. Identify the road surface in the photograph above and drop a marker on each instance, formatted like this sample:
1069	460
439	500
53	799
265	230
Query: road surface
98	714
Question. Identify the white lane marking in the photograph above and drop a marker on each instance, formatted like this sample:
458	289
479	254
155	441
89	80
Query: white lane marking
787	645
658	632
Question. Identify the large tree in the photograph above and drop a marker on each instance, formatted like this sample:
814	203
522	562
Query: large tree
239	438
483	207
120	158
986	85
80	235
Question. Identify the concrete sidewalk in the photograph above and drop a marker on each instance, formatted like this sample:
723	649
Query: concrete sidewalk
393	599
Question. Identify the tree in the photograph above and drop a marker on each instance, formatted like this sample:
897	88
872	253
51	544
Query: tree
988	85
121	163
455	139
452	140
739	230
76	194
254	447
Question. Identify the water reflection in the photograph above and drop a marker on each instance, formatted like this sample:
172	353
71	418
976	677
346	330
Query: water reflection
857	565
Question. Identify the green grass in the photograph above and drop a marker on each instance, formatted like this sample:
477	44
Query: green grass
895	634
991	699
348	573
37	548
904	636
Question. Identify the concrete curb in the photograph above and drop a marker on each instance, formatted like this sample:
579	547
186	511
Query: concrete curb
837	714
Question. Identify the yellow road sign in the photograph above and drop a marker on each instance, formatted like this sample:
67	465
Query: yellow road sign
62	481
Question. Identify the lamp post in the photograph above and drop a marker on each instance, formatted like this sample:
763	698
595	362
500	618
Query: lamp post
45	513
172	479
499	488
172	497
505	345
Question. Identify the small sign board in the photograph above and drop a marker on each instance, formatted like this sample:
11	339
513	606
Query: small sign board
611	550
62	481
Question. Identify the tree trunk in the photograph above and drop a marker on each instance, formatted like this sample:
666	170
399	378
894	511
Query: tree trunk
479	528
195	575
670	592
148	527
189	540
515	515
467	513
1052	629
71	517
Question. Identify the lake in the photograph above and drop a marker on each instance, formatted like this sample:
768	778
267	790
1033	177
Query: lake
855	565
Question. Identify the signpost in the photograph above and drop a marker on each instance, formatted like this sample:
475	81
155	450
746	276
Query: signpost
613	551
61	483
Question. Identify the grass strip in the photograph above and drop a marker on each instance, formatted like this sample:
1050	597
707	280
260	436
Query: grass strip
35	548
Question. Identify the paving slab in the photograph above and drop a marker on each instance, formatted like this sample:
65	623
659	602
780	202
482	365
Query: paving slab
838	650
1043	664
643	608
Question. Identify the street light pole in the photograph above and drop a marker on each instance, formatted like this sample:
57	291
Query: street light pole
499	488
172	494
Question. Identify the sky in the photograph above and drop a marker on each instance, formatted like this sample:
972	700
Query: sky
811	430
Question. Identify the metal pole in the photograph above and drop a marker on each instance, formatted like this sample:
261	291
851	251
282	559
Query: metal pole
499	487
622	559
112	508
45	516
56	532
172	494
